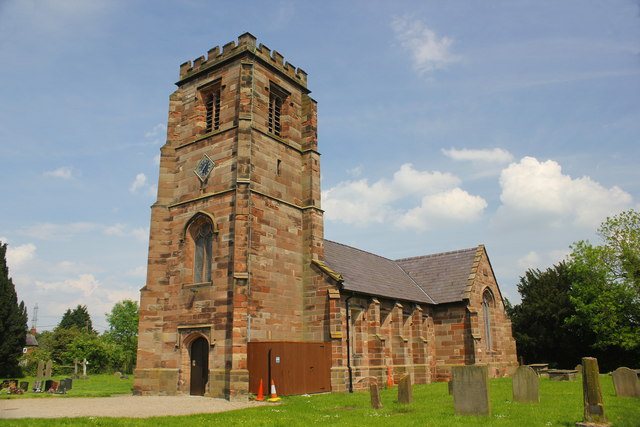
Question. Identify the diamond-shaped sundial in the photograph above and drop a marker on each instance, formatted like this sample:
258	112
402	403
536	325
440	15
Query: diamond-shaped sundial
204	167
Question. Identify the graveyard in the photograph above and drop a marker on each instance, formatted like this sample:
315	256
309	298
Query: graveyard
560	404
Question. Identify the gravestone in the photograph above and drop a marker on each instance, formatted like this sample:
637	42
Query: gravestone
37	386
625	382
562	374
376	402
593	404
40	373
62	388
69	383
47	373
524	385
84	369
471	390
24	385
405	394
47	385
75	370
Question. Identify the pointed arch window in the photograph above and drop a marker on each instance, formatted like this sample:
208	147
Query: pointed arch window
487	305
203	252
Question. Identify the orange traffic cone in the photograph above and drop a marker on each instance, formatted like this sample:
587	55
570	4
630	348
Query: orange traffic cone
389	377
274	396
260	397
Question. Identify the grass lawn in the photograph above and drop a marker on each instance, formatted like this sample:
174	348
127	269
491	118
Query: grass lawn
560	405
102	385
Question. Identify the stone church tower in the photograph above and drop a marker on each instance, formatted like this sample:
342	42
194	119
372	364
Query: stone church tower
236	224
242	286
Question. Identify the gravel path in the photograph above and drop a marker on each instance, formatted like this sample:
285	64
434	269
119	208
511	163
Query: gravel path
117	406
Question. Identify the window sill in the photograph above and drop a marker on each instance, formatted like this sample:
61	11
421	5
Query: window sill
197	285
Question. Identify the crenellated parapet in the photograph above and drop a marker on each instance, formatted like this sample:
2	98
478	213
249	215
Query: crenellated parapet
246	43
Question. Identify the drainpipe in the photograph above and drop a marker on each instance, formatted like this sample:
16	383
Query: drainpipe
346	303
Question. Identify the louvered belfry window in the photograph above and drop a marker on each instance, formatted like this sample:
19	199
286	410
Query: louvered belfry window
275	113
212	104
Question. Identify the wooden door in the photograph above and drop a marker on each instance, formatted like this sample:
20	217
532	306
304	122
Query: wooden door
199	366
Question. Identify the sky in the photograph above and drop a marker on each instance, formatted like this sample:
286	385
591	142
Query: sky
442	126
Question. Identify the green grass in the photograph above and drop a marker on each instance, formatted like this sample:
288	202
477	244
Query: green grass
102	385
560	405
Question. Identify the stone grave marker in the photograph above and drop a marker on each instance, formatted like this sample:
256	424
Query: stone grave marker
405	394
24	385
47	385
69	383
75	370
524	385
47	373
471	390
40	373
84	369
376	402
593	404
625	382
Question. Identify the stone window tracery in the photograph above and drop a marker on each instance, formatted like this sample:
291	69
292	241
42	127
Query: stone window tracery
487	305
203	252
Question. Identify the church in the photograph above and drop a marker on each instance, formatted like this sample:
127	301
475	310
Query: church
242	288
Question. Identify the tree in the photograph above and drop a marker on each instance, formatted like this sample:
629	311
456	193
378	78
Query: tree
13	321
78	317
123	330
540	320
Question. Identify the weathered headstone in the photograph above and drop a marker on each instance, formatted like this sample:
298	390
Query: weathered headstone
47	385
593	404
376	402
47	373
524	385
471	390
625	382
40	373
24	385
405	394
562	374
62	388
69	383
75	370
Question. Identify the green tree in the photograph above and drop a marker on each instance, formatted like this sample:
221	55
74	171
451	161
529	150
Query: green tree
123	331
540	320
78	317
13	321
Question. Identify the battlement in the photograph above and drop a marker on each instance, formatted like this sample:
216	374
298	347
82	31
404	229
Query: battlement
246	42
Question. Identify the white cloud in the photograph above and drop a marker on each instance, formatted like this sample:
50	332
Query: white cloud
140	271
534	260
535	189
159	129
454	205
139	182
64	172
428	51
156	159
50	231
439	198
86	283
19	256
495	155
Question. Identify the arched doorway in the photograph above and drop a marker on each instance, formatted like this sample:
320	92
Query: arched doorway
199	366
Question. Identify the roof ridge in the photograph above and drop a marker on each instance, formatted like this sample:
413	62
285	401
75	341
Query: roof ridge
440	253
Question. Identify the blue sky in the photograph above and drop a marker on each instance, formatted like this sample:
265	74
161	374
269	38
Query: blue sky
442	125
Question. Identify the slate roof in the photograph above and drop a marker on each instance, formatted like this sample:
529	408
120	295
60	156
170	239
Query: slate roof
443	276
31	341
432	279
371	274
